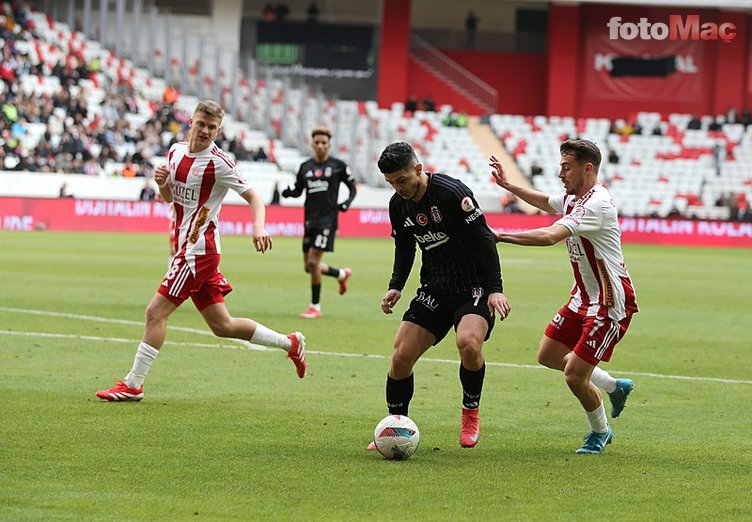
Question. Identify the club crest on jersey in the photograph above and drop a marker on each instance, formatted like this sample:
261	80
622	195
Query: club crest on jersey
422	219
578	211
328	172
436	215
467	204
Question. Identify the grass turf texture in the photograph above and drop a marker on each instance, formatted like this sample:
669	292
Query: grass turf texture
230	433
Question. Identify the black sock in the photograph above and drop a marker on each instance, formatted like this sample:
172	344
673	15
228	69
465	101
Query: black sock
334	272
472	386
315	294
399	394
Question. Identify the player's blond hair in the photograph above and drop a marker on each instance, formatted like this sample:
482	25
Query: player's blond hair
321	131
211	108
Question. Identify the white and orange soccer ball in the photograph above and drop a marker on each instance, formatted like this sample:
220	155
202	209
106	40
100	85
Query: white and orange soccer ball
396	437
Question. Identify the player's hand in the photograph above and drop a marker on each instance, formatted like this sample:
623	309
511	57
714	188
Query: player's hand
389	300
497	302
161	175
287	193
262	240
343	207
496	234
498	173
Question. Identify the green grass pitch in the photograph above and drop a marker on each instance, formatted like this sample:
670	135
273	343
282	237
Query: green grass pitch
228	433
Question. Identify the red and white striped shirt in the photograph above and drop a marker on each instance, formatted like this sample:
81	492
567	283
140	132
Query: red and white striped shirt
200	182
602	285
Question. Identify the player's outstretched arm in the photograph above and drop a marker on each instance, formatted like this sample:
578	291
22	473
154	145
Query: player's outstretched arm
262	240
532	196
545	236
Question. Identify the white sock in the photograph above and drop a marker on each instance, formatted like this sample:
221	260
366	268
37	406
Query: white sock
317	306
603	379
341	275
145	356
267	337
597	419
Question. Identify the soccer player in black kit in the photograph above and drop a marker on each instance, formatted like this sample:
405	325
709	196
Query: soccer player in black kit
320	177
460	279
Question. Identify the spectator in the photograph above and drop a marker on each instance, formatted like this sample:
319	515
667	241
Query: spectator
535	170
268	14
613	157
694	123
411	105
746	117
64	192
428	104
170	95
276	197
238	149
471	26
312	13
129	171
510	204
731	116
281	12
147	193
260	154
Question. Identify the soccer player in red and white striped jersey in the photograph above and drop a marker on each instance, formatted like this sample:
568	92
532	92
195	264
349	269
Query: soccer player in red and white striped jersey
585	331
196	181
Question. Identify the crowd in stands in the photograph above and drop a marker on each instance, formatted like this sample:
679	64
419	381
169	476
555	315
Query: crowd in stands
70	130
76	128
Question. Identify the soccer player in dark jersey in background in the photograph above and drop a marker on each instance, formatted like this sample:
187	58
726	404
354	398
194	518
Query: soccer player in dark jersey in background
320	177
460	279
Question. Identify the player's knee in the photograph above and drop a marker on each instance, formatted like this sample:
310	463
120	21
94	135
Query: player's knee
469	347
402	364
153	315
545	359
221	328
574	381
310	266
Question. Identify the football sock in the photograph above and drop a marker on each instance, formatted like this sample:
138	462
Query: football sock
398	394
315	294
603	379
597	419
268	337
472	386
334	272
145	356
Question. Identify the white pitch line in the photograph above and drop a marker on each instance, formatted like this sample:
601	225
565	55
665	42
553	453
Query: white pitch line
244	344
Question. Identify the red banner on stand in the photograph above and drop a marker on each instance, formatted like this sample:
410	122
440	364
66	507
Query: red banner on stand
30	214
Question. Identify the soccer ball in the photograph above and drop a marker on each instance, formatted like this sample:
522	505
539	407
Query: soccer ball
396	437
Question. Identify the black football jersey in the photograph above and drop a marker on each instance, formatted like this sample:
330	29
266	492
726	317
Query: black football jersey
321	183
457	247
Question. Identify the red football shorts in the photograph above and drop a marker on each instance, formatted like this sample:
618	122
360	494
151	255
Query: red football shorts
198	278
591	338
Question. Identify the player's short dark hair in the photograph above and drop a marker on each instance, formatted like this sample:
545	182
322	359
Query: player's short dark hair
583	151
321	131
397	156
